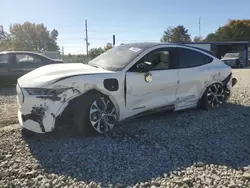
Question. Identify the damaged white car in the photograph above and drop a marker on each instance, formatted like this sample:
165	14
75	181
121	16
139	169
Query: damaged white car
128	80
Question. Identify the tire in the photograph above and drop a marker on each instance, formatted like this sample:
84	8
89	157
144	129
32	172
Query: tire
213	97
82	115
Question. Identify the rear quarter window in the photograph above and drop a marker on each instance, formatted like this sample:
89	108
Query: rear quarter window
4	58
188	58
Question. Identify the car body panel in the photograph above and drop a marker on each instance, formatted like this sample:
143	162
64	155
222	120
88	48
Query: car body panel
76	86
50	73
190	88
140	93
180	88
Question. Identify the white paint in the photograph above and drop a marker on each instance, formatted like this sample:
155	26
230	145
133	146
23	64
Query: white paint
29	124
181	87
160	92
46	74
194	81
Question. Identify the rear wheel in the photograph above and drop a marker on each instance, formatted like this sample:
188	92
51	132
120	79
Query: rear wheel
97	115
214	96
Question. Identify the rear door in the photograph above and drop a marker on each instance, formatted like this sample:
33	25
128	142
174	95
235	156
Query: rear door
194	71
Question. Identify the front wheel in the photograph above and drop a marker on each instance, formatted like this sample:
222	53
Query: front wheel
102	115
97	115
214	96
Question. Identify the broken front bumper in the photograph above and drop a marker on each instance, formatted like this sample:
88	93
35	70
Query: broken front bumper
33	113
38	114
29	124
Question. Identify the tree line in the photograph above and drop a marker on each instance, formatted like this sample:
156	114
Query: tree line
234	30
28	37
36	37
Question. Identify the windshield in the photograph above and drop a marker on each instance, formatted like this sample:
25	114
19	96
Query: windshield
118	57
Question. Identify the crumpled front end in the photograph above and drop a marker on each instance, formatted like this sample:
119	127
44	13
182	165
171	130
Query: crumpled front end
229	82
39	107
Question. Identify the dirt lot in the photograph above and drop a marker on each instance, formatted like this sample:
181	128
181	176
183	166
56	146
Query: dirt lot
8	107
192	148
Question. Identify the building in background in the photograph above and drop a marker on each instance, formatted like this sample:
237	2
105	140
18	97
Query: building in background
221	48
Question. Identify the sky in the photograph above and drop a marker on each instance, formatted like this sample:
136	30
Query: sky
128	20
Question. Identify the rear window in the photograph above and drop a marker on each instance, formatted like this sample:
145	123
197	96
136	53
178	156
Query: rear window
190	58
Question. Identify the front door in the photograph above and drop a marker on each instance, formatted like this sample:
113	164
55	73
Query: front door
155	87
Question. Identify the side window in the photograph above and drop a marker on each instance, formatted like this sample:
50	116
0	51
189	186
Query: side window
26	58
190	58
4	58
160	59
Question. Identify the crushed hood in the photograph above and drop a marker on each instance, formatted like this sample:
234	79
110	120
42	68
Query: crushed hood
48	73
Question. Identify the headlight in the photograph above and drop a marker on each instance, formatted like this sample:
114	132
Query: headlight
45	91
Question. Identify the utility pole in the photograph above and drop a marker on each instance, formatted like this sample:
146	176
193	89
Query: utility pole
86	39
113	40
199	27
62	51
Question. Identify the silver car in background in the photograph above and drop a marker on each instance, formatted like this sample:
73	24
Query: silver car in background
233	60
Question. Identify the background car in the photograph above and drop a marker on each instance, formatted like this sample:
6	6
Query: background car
128	80
233	60
14	64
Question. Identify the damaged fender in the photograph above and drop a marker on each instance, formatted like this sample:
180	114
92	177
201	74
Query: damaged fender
39	112
228	82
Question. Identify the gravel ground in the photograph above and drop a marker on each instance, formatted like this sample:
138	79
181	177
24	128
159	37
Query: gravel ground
8	106
191	148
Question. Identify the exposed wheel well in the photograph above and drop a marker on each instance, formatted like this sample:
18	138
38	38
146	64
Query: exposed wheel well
201	99
65	118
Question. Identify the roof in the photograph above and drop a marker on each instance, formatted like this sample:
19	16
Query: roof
219	42
26	52
142	45
9	52
146	45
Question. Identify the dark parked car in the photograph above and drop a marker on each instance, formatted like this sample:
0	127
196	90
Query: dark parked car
14	64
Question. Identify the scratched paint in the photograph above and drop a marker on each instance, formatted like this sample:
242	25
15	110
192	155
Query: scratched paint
81	78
